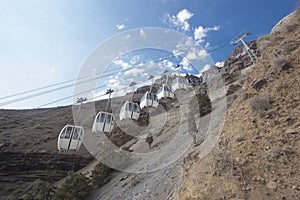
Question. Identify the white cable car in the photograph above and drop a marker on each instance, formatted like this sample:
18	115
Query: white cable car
180	83
70	138
164	92
130	110
149	99
104	122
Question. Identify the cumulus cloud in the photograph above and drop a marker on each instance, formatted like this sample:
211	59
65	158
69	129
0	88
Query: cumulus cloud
190	49
120	26
220	64
135	59
96	95
112	81
191	55
167	65
135	72
202	53
180	20
200	33
121	63
186	64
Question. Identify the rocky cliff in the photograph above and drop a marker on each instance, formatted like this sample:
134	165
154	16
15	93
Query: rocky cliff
257	155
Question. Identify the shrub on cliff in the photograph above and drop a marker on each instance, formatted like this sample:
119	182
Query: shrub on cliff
76	187
100	174
204	104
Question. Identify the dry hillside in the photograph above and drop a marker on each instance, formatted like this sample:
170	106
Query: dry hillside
257	155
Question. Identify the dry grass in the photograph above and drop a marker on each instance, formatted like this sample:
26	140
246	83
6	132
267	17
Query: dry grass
279	63
260	105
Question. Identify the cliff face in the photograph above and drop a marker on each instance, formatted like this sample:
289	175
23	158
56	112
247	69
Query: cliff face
28	150
257	155
239	58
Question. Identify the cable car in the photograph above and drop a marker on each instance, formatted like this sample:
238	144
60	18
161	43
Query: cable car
130	110
70	138
164	92
104	122
180	83
149	99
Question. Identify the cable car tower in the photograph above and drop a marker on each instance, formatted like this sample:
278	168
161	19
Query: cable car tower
104	120
240	38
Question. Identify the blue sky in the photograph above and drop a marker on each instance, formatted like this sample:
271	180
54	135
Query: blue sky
45	42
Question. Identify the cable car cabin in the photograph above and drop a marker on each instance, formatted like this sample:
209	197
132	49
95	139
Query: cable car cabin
130	110
180	83
164	92
70	138
104	122
149	100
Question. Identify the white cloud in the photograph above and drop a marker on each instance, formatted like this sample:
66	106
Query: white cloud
180	20
200	33
95	96
185	64
167	65
135	72
220	64
120	26
191	55
112	81
118	86
121	63
170	65
202	53
135	59
190	49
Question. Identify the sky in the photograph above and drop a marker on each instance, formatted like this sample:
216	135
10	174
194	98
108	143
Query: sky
46	42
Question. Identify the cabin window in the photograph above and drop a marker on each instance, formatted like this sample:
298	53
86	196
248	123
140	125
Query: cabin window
101	117
160	90
68	132
130	107
76	134
143	98
136	108
108	118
